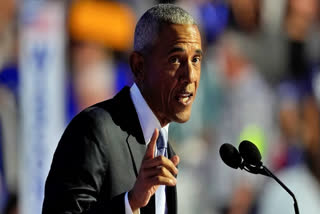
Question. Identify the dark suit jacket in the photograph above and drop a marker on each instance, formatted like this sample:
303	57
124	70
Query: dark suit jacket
97	161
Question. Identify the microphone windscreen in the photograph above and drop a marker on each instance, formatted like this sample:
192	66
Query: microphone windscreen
230	155
250	153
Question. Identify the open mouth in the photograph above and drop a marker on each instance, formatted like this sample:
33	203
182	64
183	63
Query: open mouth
184	97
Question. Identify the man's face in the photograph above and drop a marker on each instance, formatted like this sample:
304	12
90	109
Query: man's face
171	72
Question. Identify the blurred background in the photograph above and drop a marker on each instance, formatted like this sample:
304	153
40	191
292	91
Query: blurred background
260	81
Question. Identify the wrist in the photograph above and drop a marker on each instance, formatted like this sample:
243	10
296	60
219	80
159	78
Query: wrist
132	202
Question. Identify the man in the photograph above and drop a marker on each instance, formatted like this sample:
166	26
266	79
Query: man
107	161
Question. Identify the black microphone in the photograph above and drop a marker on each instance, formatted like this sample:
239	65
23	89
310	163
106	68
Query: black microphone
250	153
249	159
230	155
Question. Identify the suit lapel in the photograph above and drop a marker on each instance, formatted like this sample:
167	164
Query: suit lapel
137	151
171	153
125	115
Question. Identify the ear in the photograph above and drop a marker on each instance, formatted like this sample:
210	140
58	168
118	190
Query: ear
137	64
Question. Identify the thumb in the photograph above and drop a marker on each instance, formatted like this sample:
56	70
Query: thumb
152	145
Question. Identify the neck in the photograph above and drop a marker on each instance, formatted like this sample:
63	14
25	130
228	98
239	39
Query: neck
160	116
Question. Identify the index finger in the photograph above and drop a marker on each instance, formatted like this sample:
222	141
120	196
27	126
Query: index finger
152	145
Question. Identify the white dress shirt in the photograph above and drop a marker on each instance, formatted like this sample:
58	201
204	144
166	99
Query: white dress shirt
148	122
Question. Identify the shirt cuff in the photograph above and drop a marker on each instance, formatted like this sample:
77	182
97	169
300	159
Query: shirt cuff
127	205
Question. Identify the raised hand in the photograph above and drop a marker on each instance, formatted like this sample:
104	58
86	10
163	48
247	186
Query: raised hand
154	171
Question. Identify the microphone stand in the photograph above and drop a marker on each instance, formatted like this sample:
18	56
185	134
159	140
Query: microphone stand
270	174
261	169
250	162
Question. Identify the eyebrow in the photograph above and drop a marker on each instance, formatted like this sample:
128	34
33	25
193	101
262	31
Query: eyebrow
198	51
176	49
179	49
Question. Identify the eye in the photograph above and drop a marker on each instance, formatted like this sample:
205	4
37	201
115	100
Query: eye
196	59
174	60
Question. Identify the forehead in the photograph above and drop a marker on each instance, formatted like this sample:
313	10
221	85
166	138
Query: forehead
173	34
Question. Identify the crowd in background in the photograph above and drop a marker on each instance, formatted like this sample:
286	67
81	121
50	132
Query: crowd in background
260	81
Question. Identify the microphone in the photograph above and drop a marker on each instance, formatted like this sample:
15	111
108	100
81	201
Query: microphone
250	153
230	155
249	159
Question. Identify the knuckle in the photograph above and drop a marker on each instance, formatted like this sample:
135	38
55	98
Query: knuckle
161	158
157	179
162	170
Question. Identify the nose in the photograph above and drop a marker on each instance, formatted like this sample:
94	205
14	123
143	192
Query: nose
188	73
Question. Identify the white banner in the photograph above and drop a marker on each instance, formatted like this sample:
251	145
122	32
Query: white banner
42	89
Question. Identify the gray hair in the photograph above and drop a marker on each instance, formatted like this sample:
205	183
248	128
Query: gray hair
148	26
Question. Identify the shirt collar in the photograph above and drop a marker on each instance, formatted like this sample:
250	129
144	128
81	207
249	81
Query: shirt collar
147	119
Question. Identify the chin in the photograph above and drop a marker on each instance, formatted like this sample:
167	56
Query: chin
182	117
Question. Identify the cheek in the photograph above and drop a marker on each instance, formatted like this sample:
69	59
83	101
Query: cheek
167	96
166	92
168	80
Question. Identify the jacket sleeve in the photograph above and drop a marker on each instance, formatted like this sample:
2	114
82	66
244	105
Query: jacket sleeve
79	170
